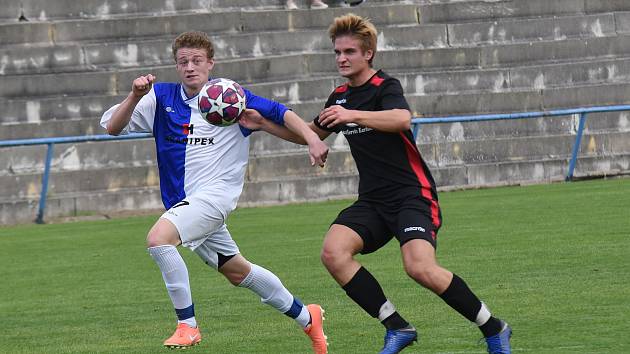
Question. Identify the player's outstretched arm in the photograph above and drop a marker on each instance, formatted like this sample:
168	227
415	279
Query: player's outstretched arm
317	149
253	120
122	115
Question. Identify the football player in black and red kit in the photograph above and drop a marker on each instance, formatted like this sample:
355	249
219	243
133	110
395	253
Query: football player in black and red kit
397	194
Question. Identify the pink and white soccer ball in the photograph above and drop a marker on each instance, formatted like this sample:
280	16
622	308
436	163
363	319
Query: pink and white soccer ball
221	102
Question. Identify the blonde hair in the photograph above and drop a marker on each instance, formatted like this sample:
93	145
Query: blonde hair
357	27
193	39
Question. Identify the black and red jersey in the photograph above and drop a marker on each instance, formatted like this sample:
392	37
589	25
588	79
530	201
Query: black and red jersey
389	164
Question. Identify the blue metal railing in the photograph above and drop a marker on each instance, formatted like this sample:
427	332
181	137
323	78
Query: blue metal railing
417	122
49	153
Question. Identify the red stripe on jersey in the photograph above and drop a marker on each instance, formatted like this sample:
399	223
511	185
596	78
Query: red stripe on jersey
425	186
377	81
341	89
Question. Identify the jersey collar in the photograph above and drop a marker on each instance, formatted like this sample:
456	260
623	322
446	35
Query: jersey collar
190	101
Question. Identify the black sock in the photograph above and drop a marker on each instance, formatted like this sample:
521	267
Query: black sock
490	328
395	321
365	290
459	296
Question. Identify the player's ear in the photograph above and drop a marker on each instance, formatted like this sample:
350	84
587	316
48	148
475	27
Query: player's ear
210	64
368	54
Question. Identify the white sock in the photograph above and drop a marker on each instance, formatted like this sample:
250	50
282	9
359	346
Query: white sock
386	310
175	275
271	291
483	316
304	318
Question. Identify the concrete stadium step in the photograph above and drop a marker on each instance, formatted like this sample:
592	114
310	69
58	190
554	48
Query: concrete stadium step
35	110
445	154
436	103
78	175
588	72
80	156
535	29
310	189
430	11
80	203
523	149
87	56
52	128
579	72
474	11
295	66
72	157
596	123
264	144
28	186
35	10
481	102
529	172
150	27
515	101
79	57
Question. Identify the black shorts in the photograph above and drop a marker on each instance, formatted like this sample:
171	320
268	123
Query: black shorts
377	224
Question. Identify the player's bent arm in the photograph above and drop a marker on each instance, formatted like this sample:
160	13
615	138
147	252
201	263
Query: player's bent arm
323	134
122	115
392	120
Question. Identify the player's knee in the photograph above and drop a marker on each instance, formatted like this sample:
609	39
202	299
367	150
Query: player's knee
235	279
333	258
156	238
236	271
420	274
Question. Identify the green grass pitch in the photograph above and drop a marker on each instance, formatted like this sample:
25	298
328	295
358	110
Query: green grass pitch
553	260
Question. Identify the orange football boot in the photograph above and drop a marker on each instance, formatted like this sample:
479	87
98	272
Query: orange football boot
184	337
315	330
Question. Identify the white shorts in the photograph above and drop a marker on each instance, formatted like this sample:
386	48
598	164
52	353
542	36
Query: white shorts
201	227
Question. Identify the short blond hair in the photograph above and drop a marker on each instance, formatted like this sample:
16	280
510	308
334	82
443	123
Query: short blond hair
357	27
193	39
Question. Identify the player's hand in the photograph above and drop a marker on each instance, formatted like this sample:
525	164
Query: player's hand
142	85
334	115
251	119
318	152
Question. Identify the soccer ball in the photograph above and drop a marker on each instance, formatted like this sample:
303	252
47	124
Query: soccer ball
221	102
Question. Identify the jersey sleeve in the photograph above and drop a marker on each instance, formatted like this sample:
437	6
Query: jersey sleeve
335	129
391	96
269	109
142	117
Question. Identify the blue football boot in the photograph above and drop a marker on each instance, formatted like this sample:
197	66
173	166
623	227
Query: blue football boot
500	343
398	339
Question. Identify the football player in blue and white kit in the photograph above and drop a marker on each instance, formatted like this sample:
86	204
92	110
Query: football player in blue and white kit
202	169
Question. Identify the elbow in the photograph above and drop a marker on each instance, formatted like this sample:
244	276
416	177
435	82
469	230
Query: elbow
112	131
405	120
406	125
